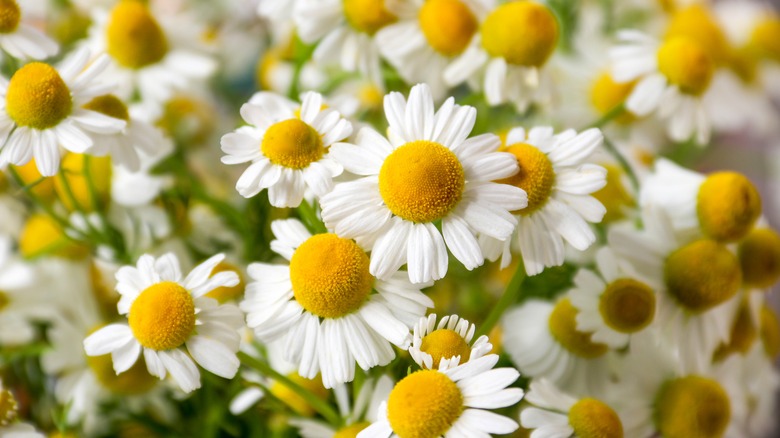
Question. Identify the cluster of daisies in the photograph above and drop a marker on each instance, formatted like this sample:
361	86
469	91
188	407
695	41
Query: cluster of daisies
389	218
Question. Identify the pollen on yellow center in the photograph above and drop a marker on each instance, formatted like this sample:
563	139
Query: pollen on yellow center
770	331
445	344
697	24
330	276
686	64
759	257
136	380
109	105
10	14
563	327
448	25
591	418
627	305
765	38
606	94
293	399
9	409
352	430
163	316
692	406
133	37
523	33
421	181
702	275
744	333
37	97
424	404
227	293
84	182
536	176
292	143
368	16
727	205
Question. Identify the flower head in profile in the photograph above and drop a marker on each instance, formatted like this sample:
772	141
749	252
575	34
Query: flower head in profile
447	344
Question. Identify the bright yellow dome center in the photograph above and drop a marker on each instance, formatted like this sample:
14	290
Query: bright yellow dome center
424	404
109	105
692	406
536	176
591	418
686	64
770	331
163	316
614	195
10	14
80	188
523	33
136	380
293	399
330	276
352	430
43	235
765	38
227	293
421	181
627	305
292	143
563	327
37	97
445	344
702	275
448	25
606	94
728	205
743	334
133	37
9	409
759	257
367	16
697	23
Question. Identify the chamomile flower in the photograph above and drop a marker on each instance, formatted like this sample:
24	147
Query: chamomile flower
19	39
556	174
326	305
288	147
41	110
166	312
449	403
759	257
446	345
429	171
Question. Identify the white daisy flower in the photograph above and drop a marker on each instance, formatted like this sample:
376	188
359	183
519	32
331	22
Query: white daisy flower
449	403
559	181
614	302
327	306
166	312
445	345
41	109
19	39
288	145
429	171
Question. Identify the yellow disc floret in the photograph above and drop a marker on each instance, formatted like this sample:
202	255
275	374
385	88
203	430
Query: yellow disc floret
352	430
445	344
448	25
37	97
692	406
190	121
759	257
294	399
606	94
743	334
133	37
421	181
109	105
727	205
43	235
702	275
563	327
627	305
536	175
591	418
686	65
523	33
330	276
9	409
227	293
367	16
424	404
10	14
84	182
163	316
770	332
292	143
136	380
697	23
765	38
614	195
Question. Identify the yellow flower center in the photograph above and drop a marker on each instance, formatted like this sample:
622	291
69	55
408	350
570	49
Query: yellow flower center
536	176
69	25
43	235
686	64
226	293
765	38
4	300
293	399
424	404
692	406
84	182
9	409
606	94
421	181
745	64
37	97
10	14
188	120
728	205
702	275
43	187
352	430
445	344
367	16
109	105
163	316
448	25
136	380
591	418
133	37
523	33
696	23
614	195
759	257
743	334
627	305
330	276
770	331
563	327
292	143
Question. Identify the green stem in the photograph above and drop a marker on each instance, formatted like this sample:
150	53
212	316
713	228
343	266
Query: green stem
309	217
610	115
319	405
36	200
610	147
509	297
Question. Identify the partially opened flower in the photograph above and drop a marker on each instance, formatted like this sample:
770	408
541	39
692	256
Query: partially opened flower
447	344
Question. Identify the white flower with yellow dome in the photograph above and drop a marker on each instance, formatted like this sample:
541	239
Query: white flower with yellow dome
18	38
447	344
